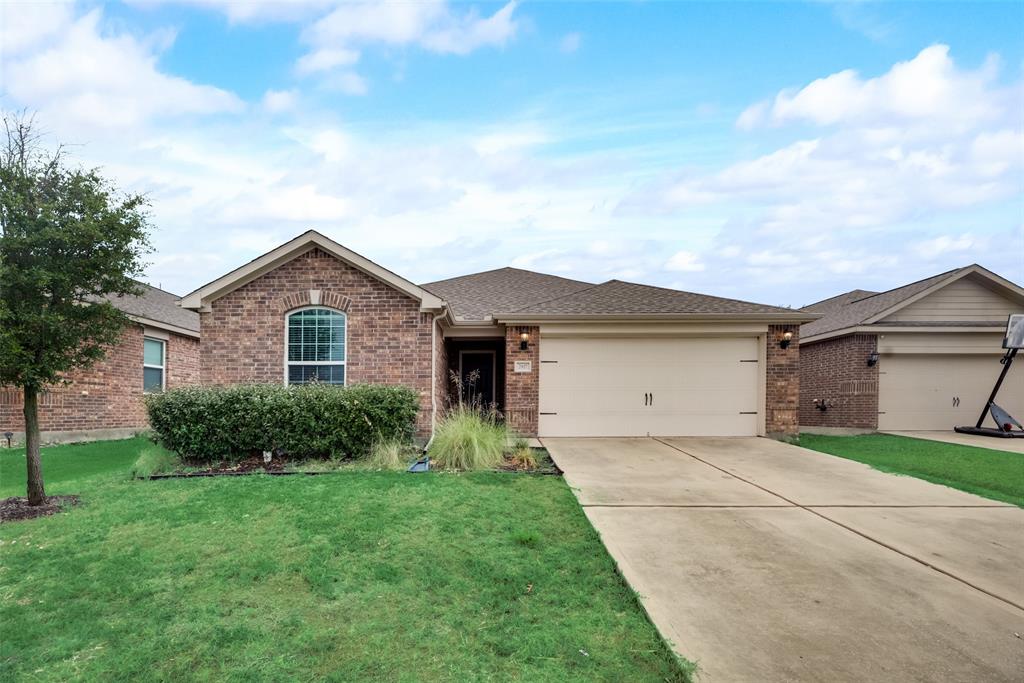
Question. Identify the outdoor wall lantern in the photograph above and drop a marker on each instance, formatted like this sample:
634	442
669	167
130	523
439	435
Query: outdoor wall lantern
787	337
872	359
524	341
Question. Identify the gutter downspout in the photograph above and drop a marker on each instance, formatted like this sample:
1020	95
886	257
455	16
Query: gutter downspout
435	327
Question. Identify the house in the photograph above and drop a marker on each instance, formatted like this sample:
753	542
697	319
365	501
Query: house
158	350
923	356
558	357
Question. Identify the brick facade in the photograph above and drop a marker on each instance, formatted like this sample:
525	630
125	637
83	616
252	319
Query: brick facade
109	394
782	385
836	371
389	340
522	389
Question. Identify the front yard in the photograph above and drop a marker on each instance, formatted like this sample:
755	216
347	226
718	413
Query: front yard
368	576
985	472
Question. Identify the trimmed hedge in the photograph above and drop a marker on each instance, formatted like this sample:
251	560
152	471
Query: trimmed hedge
208	424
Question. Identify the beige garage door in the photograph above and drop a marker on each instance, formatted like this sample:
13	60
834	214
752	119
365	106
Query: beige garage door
647	386
938	391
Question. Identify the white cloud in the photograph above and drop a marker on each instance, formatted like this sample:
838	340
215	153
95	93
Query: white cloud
946	244
24	25
249	11
279	101
570	42
430	24
348	82
510	140
927	87
889	158
684	262
100	79
325	59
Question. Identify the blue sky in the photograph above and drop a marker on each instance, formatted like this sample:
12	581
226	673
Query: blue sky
777	152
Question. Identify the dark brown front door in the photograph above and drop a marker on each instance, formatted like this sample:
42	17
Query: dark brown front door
477	369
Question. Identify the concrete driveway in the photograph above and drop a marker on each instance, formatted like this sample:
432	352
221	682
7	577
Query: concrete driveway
763	561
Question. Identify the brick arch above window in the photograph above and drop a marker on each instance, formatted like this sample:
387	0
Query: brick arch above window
314	297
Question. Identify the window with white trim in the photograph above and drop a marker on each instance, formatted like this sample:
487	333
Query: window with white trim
154	356
315	348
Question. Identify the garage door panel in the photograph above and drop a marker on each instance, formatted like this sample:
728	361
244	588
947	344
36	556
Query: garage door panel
919	391
597	387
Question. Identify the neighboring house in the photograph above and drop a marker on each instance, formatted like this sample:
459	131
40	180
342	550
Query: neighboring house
158	350
938	343
556	356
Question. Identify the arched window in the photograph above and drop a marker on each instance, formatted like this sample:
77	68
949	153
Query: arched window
315	346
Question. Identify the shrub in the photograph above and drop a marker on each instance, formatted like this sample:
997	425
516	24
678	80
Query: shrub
155	460
308	421
468	439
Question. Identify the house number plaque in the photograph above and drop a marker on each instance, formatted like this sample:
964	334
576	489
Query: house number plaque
523	366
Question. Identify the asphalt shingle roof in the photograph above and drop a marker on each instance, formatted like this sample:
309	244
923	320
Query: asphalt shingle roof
838	301
156	304
480	295
854	311
616	297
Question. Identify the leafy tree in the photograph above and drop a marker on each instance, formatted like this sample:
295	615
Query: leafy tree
68	240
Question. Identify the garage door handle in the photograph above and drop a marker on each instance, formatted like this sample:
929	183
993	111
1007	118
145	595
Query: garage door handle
647	397
652	399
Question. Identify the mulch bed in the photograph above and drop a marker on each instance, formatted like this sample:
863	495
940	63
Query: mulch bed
253	463
16	509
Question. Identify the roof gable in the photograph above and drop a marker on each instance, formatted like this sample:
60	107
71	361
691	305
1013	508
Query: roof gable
290	250
874	308
967	299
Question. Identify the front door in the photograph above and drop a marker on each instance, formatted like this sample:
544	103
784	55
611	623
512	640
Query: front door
477	372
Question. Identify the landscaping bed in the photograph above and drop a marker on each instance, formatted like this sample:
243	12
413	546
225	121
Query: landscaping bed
16	509
543	464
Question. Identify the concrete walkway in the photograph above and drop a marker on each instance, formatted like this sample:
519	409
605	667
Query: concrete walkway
995	443
768	562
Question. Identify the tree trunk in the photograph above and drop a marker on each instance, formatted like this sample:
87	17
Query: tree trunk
36	495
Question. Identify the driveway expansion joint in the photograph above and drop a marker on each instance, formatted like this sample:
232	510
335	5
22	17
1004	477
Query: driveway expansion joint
814	511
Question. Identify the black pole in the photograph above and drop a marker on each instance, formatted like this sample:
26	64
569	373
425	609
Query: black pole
1007	361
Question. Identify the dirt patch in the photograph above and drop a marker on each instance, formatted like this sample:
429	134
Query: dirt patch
16	509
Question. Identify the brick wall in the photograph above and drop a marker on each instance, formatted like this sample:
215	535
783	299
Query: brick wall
522	388
106	396
836	370
782	386
388	339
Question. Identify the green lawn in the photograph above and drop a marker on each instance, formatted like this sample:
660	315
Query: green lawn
353	576
994	474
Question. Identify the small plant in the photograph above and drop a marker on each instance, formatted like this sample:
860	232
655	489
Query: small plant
467	438
523	458
154	460
390	454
